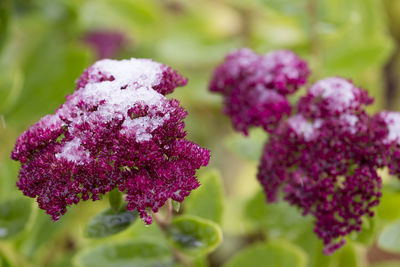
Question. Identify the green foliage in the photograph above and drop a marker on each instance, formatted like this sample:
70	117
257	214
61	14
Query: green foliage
207	200
309	242
368	229
193	235
388	208
276	253
14	216
348	257
5	8
176	205
278	219
389	238
42	54
110	222
115	199
139	253
249	147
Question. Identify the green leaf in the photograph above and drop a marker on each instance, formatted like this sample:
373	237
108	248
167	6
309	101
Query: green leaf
194	235
367	234
279	219
139	253
176	205
207	200
5	11
276	253
115	199
309	242
14	215
110	222
348	256
389	238
355	57
249	147
388	208
5	260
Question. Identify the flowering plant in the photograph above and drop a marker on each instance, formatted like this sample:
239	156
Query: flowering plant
116	131
323	153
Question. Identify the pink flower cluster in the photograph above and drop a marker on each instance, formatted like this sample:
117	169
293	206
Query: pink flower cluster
255	86
117	130
324	157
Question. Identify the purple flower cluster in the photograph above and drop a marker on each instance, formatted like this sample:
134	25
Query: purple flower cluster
117	130
255	86
324	157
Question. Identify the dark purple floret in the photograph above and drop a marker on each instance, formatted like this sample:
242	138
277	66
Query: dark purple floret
170	80
255	86
114	131
324	158
256	107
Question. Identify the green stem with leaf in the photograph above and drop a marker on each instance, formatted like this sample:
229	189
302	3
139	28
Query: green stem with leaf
164	222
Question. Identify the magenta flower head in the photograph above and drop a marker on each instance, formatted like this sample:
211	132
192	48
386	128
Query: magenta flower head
117	130
324	158
255	86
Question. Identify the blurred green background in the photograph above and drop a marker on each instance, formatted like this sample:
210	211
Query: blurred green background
43	51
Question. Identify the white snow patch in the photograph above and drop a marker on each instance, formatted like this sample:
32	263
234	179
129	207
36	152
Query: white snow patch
73	151
339	91
304	128
137	77
392	120
351	122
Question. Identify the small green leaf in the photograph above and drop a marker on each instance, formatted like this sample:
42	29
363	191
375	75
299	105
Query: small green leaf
207	200
176	205
110	222
348	256
276	253
115	199
389	238
367	234
14	215
138	253
194	235
388	207
279	219
248	147
309	242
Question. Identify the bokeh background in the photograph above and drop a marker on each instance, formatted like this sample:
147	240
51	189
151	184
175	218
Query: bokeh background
46	44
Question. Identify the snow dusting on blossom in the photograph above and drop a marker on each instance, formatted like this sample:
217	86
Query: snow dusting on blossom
333	96
255	86
302	127
392	120
324	158
117	130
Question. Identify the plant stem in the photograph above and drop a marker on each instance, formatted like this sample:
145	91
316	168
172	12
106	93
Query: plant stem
164	222
115	199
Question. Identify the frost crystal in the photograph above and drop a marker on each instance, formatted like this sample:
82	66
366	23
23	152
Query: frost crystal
116	130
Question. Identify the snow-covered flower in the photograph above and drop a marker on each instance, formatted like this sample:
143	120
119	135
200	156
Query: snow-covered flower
117	130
